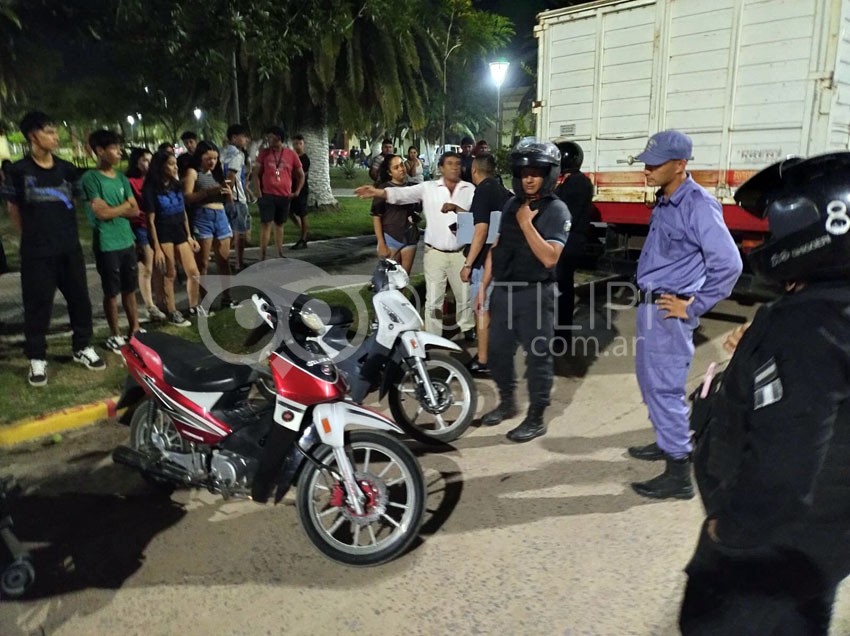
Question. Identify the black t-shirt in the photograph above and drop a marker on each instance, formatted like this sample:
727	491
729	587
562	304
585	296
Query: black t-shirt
45	199
466	167
305	164
395	218
577	192
184	162
489	195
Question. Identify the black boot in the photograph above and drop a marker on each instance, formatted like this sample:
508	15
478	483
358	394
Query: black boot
532	426
505	411
649	453
673	483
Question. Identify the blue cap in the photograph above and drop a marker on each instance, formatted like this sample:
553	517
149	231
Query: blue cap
665	146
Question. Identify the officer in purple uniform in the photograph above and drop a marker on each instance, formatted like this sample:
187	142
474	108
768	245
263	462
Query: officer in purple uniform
689	262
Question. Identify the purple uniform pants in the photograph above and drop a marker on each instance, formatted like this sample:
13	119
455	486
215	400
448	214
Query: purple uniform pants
663	354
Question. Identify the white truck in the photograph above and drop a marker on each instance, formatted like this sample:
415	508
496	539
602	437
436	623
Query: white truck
750	81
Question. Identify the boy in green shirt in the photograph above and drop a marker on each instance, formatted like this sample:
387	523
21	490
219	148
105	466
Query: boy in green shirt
110	205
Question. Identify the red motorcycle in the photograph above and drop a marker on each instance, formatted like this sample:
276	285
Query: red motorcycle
198	421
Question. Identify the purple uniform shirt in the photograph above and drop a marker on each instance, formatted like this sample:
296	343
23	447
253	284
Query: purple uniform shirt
689	249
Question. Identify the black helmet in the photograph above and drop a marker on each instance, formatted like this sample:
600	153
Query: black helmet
807	205
572	156
530	153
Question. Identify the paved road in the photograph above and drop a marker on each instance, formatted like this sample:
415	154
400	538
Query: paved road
543	538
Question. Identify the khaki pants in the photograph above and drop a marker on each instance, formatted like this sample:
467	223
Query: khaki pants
439	268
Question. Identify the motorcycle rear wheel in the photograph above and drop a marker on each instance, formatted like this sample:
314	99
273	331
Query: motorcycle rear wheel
391	480
152	431
457	397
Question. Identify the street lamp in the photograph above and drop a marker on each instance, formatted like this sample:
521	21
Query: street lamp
132	121
198	112
498	71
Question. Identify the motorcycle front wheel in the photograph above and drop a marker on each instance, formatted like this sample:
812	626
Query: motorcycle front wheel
456	399
393	493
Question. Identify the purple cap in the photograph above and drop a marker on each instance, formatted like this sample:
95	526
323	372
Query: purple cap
665	146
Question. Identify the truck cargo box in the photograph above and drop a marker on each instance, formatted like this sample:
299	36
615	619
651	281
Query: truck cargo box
751	81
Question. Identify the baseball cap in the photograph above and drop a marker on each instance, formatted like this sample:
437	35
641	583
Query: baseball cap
665	146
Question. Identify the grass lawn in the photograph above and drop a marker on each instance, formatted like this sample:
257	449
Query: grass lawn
359	177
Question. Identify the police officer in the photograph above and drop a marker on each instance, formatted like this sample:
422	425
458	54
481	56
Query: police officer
773	450
532	234
689	262
576	190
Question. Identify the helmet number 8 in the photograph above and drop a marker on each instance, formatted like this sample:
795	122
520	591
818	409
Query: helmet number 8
837	220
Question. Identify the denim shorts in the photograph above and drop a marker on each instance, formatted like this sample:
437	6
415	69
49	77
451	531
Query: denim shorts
237	214
208	223
142	236
395	245
475	279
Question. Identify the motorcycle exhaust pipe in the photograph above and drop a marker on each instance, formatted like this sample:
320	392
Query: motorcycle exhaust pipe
140	461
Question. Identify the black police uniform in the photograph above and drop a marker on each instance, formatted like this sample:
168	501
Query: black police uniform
521	308
577	192
772	461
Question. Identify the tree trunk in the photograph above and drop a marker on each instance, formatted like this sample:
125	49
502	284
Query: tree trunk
316	147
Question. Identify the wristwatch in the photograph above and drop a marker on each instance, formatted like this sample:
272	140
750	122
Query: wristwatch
465	266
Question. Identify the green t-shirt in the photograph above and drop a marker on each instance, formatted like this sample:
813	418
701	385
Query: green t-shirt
114	234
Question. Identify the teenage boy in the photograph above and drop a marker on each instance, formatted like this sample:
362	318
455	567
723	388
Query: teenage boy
40	191
233	163
184	161
110	204
299	204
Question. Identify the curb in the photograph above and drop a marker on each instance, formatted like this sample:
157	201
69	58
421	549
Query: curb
57	422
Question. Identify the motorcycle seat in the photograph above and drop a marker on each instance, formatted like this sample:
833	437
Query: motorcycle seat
338	315
192	367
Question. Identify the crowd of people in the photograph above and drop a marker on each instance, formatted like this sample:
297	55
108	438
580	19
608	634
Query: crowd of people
165	211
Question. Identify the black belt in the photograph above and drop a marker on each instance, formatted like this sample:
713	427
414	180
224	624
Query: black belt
653	297
444	251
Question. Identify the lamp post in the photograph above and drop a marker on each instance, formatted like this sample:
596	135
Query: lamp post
498	71
132	121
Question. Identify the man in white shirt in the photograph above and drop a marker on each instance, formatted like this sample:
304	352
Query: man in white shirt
441	201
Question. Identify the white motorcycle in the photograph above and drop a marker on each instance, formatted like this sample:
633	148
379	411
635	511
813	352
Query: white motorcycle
432	396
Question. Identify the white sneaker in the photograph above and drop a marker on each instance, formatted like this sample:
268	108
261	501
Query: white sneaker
38	372
89	359
156	314
114	344
177	319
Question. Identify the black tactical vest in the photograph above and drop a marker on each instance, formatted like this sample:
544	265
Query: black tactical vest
513	259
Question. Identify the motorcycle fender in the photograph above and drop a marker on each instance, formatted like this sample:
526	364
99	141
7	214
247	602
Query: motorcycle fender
415	343
331	420
132	394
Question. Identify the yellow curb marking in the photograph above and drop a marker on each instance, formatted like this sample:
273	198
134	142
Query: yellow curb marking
56	422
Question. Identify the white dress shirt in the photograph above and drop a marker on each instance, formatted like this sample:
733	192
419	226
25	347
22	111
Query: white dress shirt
432	195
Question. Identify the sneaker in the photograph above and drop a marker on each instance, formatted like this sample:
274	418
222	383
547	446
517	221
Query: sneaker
156	314
38	372
114	343
90	359
194	312
300	245
178	320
